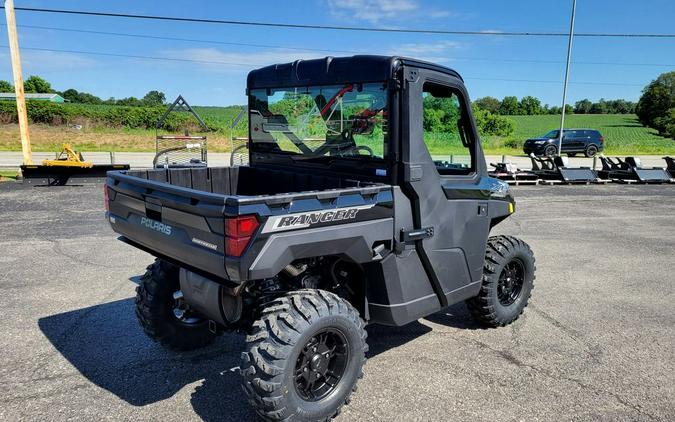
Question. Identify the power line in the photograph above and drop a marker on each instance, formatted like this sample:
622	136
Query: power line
249	65
342	28
205	41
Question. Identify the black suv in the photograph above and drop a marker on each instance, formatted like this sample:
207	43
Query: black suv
585	141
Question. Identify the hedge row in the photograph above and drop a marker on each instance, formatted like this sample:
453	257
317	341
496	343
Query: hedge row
101	116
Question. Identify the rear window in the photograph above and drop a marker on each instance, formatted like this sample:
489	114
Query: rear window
592	133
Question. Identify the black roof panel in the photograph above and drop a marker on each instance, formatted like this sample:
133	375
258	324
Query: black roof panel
335	70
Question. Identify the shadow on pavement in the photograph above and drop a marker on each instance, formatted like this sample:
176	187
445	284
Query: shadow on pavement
456	316
107	346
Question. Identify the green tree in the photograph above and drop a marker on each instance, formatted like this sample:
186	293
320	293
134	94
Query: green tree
129	101
530	105
657	99
509	106
6	87
154	98
599	108
36	84
583	106
490	104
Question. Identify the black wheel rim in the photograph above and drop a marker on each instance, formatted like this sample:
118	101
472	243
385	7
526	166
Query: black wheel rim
511	282
321	365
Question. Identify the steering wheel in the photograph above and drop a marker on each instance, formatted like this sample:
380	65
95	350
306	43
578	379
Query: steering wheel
355	150
348	136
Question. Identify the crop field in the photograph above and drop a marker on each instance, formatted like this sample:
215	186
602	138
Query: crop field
623	133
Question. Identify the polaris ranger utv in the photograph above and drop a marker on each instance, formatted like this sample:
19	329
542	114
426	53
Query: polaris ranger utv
342	218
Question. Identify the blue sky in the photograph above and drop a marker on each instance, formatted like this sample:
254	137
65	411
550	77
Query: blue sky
495	66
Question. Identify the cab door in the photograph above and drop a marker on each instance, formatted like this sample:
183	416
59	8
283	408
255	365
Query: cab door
445	178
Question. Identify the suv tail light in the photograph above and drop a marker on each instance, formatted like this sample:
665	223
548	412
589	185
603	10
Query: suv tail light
106	199
238	233
602	139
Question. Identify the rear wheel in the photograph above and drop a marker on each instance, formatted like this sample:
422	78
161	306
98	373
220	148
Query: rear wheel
550	151
304	357
163	314
591	151
508	280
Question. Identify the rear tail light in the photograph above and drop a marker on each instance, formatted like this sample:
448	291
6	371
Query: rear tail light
602	139
106	199
238	233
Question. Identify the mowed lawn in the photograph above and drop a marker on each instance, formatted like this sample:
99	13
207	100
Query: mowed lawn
623	132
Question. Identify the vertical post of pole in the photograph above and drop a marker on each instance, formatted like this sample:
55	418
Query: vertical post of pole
18	82
567	75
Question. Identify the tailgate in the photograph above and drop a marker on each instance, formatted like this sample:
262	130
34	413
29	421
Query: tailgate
183	224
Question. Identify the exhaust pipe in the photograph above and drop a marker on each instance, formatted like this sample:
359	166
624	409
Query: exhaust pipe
213	300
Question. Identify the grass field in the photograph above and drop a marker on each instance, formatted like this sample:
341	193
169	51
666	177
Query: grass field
7	175
623	133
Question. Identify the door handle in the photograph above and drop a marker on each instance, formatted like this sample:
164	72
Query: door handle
414	235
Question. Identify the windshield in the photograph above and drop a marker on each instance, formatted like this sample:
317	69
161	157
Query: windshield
552	134
313	123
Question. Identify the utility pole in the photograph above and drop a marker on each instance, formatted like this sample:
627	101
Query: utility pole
567	76
18	82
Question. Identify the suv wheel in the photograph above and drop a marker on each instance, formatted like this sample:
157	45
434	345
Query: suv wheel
304	357
591	151
162	313
550	151
508	280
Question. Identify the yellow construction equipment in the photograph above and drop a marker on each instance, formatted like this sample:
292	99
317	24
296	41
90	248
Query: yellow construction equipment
69	158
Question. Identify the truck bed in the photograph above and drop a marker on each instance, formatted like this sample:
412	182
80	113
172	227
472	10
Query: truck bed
178	214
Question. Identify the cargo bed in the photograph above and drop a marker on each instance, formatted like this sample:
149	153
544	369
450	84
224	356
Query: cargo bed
178	214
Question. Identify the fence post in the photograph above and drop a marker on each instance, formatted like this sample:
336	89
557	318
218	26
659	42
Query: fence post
595	160
503	158
112	157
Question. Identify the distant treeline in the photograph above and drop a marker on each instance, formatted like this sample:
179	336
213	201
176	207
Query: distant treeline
36	84
511	106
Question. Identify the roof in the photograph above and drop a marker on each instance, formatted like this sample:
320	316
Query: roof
30	96
336	70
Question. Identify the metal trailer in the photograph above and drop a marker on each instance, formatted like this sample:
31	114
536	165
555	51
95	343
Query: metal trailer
556	169
512	175
670	166
180	151
630	170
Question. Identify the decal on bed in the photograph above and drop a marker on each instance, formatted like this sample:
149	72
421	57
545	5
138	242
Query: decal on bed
302	220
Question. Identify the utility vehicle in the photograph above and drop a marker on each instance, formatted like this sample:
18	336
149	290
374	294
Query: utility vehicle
349	213
575	141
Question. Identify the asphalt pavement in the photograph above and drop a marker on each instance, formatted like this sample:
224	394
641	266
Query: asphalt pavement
596	343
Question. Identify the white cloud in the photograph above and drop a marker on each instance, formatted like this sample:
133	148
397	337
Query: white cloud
217	60
371	10
35	62
376	11
438	52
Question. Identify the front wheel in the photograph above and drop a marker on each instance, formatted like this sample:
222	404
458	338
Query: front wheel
304	357
550	151
508	280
